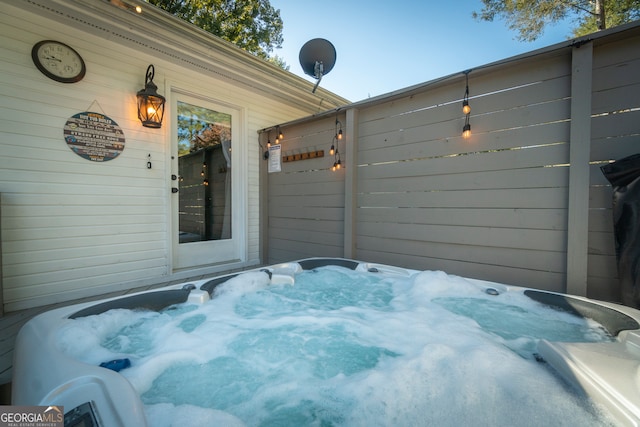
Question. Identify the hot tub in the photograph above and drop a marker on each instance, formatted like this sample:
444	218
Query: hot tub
605	371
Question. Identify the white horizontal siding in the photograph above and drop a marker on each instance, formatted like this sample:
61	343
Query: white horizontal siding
73	228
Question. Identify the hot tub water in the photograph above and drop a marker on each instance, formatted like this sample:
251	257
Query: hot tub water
342	348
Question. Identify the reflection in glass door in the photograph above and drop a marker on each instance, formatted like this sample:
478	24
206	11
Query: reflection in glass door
204	171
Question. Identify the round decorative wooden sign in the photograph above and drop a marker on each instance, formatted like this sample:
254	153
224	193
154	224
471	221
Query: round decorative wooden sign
94	136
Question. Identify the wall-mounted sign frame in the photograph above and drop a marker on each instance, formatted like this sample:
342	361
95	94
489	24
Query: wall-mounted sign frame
94	136
275	157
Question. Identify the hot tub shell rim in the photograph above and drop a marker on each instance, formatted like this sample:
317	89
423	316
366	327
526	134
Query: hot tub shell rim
121	402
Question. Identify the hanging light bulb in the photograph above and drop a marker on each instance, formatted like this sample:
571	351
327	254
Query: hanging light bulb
466	108
466	131
280	134
338	128
332	151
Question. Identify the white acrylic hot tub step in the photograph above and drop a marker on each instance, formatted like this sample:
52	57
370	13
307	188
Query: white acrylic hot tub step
609	372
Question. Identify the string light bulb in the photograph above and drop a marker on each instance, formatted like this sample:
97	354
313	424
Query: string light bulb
466	131
466	108
335	146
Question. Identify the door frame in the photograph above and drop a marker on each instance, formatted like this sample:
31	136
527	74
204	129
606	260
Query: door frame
207	254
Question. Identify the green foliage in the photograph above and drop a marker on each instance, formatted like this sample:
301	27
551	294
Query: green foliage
200	127
529	17
618	12
252	25
278	61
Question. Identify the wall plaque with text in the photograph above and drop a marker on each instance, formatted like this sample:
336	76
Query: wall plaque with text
94	136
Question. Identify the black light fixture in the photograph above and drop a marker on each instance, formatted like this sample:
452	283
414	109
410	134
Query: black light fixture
466	129
334	151
150	102
280	136
466	108
336	164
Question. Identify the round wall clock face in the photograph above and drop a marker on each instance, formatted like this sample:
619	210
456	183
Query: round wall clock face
58	61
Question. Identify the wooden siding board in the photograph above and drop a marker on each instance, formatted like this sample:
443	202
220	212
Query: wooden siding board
610	148
540	198
543	240
309	189
616	124
614	54
617	99
47	255
483	161
524	258
534	219
418	143
320	201
295	224
543	113
533	177
317	213
303	249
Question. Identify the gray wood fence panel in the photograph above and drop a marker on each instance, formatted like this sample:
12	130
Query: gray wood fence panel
306	199
615	134
495	206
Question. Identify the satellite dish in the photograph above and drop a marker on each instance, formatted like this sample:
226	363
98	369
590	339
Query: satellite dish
317	58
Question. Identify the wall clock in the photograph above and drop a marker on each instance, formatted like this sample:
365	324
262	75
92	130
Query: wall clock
58	61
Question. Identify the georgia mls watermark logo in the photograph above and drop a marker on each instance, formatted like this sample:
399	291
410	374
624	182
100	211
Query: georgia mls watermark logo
31	416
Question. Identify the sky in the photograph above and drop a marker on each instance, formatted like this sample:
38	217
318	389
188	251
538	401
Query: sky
384	46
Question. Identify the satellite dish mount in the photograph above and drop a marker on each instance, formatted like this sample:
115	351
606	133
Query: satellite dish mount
317	58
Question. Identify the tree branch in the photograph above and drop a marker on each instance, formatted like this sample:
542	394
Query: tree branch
578	7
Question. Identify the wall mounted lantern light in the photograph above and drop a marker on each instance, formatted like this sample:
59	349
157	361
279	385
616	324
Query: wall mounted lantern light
150	103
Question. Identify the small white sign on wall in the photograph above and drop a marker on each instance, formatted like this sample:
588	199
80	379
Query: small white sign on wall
275	158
